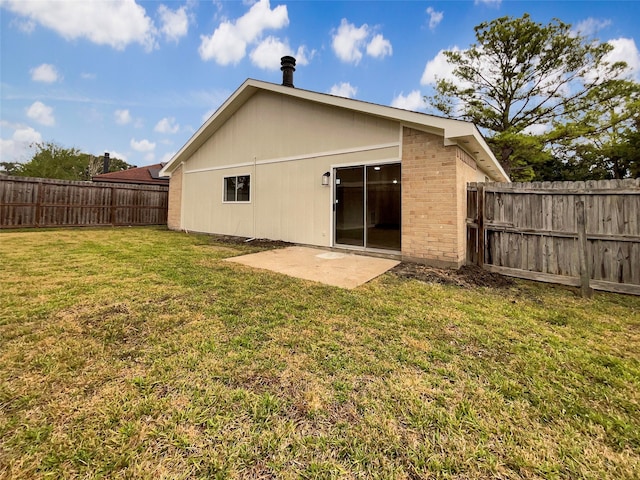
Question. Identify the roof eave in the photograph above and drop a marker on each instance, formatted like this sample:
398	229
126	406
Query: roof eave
476	146
456	131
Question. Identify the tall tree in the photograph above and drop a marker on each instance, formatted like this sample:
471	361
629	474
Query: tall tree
54	161
521	76
606	147
631	146
9	168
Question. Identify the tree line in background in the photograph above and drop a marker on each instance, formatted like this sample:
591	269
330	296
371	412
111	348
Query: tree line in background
54	161
548	100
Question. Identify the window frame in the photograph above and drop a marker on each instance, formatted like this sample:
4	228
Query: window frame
224	188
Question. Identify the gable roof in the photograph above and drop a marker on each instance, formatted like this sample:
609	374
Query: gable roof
455	132
149	175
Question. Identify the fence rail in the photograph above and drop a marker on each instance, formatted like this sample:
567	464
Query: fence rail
42	202
584	234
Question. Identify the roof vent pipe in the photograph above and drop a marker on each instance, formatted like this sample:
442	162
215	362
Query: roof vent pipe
288	67
105	163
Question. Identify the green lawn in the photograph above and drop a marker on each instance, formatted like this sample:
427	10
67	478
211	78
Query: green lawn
138	353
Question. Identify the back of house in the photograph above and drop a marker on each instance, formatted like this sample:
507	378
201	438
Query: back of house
288	164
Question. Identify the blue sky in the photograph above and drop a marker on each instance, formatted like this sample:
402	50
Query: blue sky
137	78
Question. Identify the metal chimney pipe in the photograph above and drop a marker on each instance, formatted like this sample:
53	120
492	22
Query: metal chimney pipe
105	163
288	67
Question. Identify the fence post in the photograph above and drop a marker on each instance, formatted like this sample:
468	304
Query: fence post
112	213
38	210
583	253
480	204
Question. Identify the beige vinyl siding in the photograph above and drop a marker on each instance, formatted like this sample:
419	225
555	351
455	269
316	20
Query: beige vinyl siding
291	204
272	126
288	201
286	145
204	210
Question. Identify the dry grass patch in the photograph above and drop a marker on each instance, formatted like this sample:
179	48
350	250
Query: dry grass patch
137	353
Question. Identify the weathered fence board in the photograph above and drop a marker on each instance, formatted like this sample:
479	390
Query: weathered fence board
575	233
41	202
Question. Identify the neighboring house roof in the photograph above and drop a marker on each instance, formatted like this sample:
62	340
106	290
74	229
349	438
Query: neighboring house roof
149	175
456	132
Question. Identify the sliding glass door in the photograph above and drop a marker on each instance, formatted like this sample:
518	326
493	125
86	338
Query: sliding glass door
349	206
383	206
367	206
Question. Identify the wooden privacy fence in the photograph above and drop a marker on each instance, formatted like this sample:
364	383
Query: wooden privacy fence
43	202
583	234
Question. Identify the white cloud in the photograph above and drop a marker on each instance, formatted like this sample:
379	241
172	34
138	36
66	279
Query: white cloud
41	113
268	53
18	147
142	145
25	26
46	73
625	50
225	46
122	117
537	129
438	68
9	151
27	135
434	17
590	26
88	76
167	125
228	43
116	23
379	47
260	17
114	154
490	3
349	41
303	55
175	23
344	89
412	101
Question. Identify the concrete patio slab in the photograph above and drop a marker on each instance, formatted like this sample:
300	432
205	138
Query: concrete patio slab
344	270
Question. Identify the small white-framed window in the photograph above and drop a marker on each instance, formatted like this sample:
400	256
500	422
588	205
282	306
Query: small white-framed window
237	188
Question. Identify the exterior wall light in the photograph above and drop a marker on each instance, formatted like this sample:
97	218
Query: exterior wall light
325	178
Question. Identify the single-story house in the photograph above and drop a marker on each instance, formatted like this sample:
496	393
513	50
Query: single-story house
282	163
149	175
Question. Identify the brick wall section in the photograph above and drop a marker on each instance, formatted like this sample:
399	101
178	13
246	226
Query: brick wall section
432	209
175	200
